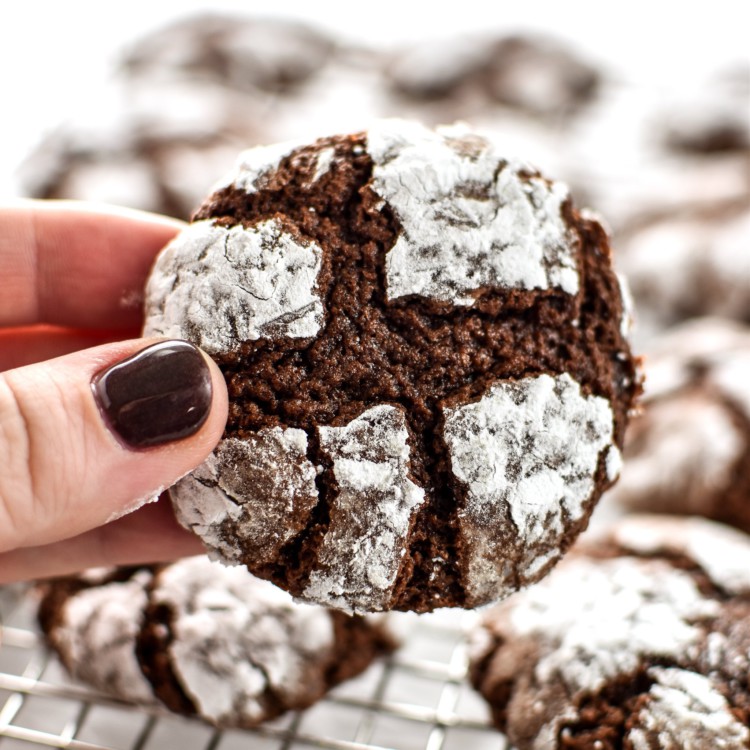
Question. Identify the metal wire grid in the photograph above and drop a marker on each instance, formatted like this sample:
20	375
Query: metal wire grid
418	699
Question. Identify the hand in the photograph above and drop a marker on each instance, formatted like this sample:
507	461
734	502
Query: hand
87	434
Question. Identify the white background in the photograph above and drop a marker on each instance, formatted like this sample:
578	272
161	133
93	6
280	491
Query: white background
55	55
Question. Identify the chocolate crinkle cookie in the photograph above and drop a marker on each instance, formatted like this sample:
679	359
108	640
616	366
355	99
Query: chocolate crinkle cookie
541	75
535	74
639	640
690	266
688	452
712	116
425	349
236	51
204	640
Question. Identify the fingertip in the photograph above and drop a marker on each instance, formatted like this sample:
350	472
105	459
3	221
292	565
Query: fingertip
167	412
161	394
98	429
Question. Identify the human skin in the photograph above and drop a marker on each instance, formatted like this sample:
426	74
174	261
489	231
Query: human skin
72	492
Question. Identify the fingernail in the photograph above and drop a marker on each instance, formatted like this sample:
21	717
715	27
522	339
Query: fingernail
159	395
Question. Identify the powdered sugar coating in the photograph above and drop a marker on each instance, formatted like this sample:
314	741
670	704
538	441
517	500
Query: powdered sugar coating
635	645
470	219
96	636
371	515
237	639
137	504
528	452
628	306
598	619
686	711
722	552
323	162
256	492
613	463
219	286
254	165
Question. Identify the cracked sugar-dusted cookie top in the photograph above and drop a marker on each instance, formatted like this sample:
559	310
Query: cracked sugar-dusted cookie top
638	640
425	349
205	640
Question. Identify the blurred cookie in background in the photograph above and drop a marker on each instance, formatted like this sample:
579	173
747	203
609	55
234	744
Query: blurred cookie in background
438	69
92	621
688	451
638	639
204	640
522	90
683	235
187	96
535	74
182	103
711	118
136	158
238	52
689	266
651	153
541	75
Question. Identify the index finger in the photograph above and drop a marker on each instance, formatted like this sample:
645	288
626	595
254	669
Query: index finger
76	264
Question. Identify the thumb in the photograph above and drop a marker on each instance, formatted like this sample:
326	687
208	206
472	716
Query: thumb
90	436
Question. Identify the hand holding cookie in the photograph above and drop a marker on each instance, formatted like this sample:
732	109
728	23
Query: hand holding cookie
94	421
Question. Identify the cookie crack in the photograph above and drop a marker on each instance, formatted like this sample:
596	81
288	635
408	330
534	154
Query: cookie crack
299	555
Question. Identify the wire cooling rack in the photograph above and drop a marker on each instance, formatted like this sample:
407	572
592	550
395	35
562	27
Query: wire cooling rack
418	699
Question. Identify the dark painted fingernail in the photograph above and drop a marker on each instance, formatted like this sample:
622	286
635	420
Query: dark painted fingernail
159	395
